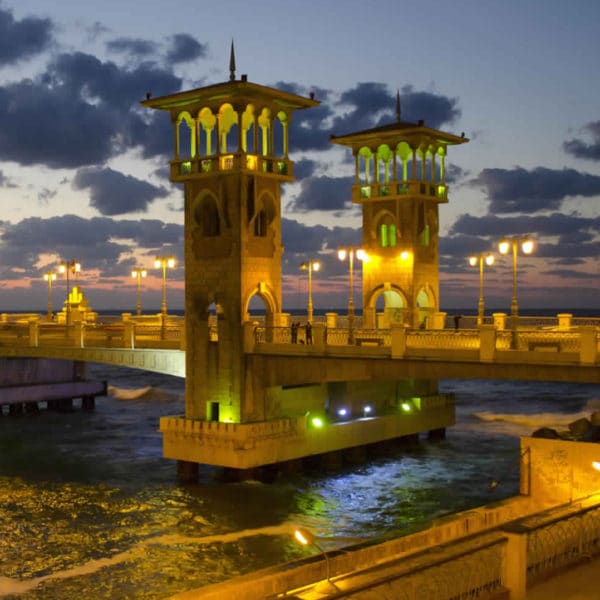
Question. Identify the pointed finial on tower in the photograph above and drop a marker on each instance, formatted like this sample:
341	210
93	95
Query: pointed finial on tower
232	63
398	106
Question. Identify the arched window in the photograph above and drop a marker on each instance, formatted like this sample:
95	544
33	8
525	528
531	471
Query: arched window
207	216
387	232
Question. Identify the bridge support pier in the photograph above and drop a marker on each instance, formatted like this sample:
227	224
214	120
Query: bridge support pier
187	472
437	434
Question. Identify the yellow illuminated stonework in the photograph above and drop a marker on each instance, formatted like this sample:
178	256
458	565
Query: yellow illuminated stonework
400	181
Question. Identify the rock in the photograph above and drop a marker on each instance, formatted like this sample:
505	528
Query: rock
579	428
545	432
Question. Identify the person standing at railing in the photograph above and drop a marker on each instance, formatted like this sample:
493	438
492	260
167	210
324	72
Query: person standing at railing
294	330
309	333
457	319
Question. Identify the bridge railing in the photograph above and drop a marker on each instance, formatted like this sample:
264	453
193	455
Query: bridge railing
113	333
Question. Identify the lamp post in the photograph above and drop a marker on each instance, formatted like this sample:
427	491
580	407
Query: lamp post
66	267
164	262
49	276
310	266
139	274
488	259
504	247
350	253
306	538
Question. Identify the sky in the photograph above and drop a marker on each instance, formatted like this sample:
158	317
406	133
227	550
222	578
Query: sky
83	167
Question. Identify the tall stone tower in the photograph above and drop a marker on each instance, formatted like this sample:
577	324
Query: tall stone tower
231	154
400	181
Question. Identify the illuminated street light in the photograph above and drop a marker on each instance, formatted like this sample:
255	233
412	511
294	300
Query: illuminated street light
139	274
49	276
310	266
504	247
488	259
66	267
350	253
306	538
164	262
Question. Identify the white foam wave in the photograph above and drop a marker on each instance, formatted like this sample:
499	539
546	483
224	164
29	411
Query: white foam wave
127	393
525	424
11	587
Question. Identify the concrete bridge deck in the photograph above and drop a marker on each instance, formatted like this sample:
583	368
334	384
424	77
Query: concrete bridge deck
528	353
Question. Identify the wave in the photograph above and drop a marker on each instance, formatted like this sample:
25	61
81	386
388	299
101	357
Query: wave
519	424
129	393
11	587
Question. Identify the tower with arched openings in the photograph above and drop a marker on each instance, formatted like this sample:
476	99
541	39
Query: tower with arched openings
400	181
231	155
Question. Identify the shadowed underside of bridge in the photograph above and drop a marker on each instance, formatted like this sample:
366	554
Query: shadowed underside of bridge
168	362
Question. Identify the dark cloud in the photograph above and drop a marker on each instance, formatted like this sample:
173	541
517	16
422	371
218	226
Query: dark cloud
367	105
582	149
185	48
304	167
373	104
323	193
22	39
95	113
316	242
132	46
113	193
86	77
565	239
91	241
520	190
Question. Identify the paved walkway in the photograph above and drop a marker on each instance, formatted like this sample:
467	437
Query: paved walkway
580	583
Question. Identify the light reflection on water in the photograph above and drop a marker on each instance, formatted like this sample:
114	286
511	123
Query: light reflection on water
89	509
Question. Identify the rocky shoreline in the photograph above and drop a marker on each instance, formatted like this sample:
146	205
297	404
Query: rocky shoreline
581	430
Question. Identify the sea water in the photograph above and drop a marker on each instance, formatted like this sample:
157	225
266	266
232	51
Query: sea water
90	509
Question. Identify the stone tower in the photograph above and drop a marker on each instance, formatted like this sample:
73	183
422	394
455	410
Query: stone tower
231	155
400	181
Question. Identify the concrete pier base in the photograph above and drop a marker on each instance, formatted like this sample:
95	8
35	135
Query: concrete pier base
437	434
187	472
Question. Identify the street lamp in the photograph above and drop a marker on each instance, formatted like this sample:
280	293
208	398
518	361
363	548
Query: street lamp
350	253
164	262
504	247
139	274
306	538
310	266
49	276
488	259
66	267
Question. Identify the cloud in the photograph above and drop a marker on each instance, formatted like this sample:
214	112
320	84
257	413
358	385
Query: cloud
6	182
113	193
22	39
520	190
568	239
132	46
582	149
185	48
95	113
99	243
300	239
373	104
323	193
304	167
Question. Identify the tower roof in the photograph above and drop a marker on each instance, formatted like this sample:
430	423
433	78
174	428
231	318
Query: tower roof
393	133
239	91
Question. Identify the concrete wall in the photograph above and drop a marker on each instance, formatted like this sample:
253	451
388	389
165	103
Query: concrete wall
27	371
557	470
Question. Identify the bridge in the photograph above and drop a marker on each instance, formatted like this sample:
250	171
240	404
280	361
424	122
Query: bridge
533	351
